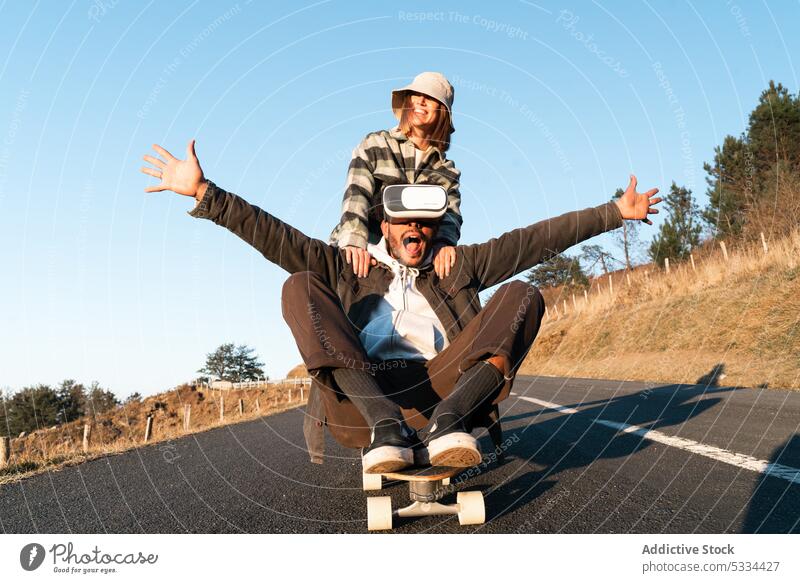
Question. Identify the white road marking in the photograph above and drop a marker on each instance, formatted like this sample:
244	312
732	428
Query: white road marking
739	460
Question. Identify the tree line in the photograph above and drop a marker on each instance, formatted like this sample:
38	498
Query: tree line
41	406
753	187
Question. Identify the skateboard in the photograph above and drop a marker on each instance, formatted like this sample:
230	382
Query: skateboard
426	486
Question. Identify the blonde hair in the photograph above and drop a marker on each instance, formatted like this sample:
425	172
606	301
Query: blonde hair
440	135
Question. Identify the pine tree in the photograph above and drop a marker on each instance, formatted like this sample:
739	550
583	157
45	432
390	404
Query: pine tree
99	400
745	170
71	400
233	363
30	409
680	231
558	270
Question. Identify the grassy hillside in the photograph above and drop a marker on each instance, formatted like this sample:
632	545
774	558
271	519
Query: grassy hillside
123	428
736	322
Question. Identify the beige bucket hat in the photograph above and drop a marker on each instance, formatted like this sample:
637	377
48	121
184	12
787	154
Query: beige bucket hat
433	85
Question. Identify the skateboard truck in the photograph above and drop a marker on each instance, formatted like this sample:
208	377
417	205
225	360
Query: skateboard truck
426	486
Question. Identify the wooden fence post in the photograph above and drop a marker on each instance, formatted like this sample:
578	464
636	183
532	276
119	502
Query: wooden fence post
241	406
724	250
5	451
565	307
258	406
221	408
691	258
610	286
764	243
187	417
585	296
628	278
87	436
574	303
148	429
302	392
666	264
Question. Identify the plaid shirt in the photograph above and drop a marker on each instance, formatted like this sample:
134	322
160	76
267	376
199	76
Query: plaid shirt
384	158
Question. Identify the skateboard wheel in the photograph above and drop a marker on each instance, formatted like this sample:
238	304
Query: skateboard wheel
470	508
379	513
371	482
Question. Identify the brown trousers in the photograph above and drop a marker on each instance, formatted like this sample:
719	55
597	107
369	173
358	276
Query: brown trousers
506	326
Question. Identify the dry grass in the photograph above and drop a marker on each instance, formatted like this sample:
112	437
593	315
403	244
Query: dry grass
742	315
123	428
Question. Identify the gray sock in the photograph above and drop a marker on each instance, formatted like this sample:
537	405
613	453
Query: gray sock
473	387
365	393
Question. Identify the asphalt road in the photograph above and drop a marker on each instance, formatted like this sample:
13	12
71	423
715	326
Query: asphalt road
584	456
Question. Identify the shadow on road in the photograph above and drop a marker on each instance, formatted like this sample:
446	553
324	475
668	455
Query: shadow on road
775	502
567	441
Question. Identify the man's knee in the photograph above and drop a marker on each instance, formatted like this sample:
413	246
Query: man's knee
523	295
298	291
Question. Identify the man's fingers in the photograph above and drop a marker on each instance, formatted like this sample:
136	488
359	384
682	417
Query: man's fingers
632	183
656	200
154	189
651	192
163	153
652	211
648	221
154	161
190	150
151	172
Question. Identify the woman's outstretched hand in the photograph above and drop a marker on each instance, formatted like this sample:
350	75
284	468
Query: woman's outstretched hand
181	176
633	205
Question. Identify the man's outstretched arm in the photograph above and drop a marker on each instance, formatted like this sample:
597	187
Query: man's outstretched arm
278	242
516	251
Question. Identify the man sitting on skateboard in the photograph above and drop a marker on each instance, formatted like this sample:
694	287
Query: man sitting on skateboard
403	349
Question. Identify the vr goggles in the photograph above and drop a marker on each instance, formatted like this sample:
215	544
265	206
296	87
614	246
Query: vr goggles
405	202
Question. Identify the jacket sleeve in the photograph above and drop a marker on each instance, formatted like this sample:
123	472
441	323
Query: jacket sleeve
353	227
278	242
450	227
516	251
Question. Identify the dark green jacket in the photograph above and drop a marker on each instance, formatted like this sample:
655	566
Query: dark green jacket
454	299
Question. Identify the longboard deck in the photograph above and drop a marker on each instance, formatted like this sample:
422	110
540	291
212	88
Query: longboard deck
424	473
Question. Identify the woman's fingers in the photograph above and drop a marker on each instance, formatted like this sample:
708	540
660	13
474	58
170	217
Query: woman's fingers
151	172
163	153
155	161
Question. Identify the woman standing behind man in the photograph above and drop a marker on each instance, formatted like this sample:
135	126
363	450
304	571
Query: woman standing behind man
411	153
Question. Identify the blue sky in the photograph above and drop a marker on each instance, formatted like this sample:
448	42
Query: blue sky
555	105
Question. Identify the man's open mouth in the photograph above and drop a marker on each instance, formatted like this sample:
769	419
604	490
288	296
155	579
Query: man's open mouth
412	242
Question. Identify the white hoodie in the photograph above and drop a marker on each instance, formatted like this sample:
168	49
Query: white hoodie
402	324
